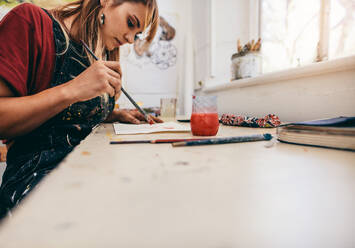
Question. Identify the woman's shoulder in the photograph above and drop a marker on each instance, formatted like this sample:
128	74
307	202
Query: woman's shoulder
31	13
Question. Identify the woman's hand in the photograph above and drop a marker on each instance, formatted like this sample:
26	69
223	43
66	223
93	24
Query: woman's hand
132	116
100	78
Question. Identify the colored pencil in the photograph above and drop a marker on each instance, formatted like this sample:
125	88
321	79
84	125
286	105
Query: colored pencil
123	90
226	140
157	141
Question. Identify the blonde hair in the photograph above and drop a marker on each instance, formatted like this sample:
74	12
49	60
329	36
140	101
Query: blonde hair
88	26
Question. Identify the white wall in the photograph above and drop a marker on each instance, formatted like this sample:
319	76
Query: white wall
148	86
230	19
324	92
184	87
231	22
318	91
201	39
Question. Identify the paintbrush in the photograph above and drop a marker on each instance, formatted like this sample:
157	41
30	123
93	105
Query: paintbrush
252	45
123	90
226	140
157	141
257	45
239	46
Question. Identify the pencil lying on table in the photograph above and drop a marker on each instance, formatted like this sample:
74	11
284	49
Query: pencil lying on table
123	90
226	140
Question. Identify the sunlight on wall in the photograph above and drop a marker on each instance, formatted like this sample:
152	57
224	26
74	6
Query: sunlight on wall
342	28
290	32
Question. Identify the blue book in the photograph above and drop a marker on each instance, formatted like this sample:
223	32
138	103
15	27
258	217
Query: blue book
333	122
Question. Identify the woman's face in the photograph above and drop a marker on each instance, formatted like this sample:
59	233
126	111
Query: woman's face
122	23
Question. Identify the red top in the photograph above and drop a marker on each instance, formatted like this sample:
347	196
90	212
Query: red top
27	50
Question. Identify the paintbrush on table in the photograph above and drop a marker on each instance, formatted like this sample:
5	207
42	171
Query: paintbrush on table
225	140
157	141
123	90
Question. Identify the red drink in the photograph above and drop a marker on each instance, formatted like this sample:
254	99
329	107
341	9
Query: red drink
204	124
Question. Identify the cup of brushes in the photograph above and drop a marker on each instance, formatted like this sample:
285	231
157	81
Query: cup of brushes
247	61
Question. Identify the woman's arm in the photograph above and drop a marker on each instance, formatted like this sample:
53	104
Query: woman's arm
20	115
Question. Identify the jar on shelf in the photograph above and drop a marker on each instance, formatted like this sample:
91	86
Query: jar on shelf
246	66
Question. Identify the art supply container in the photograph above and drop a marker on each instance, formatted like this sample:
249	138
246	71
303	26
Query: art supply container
246	66
204	118
168	109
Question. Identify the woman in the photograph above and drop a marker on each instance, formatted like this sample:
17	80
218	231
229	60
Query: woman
52	92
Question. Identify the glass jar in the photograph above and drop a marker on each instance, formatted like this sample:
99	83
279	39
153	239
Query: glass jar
168	109
204	119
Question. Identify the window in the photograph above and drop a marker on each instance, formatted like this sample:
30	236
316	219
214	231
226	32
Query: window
342	28
300	32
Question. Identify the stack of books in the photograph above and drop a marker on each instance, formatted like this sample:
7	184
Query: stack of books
338	133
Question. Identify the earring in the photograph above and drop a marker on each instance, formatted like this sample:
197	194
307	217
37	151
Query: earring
102	19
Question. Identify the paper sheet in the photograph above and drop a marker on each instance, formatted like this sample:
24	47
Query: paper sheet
146	128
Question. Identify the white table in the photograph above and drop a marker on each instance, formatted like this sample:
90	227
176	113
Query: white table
222	196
